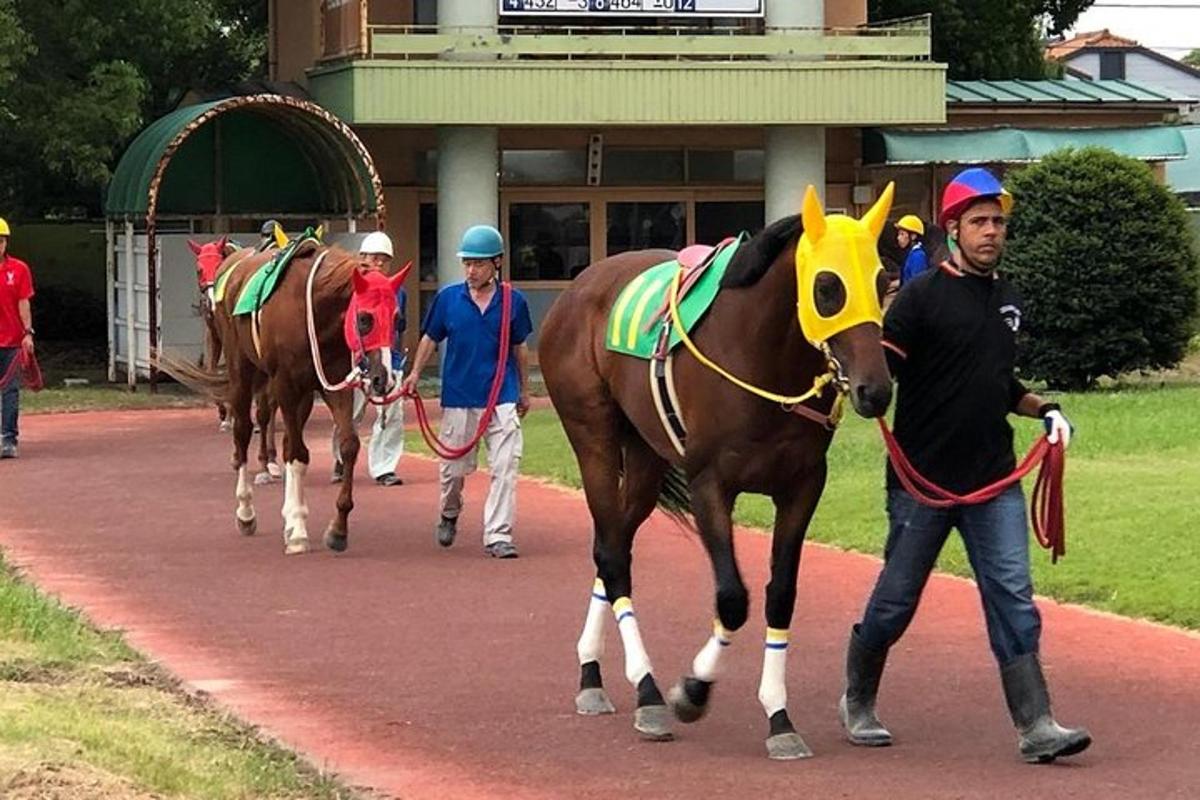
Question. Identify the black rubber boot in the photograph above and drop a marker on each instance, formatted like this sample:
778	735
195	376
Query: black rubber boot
857	707
1042	739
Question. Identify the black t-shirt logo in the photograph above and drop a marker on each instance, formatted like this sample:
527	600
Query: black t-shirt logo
1012	317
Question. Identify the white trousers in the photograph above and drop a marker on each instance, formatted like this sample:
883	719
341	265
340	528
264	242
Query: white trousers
387	435
504	445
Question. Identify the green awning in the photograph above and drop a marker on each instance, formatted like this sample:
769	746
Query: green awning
252	155
1184	176
999	145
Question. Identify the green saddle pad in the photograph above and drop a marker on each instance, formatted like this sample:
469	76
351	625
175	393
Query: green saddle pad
633	328
262	283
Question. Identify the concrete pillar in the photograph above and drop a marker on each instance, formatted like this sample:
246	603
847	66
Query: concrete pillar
480	16
468	190
795	154
795	157
795	14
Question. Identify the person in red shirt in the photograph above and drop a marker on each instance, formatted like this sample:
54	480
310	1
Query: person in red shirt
16	335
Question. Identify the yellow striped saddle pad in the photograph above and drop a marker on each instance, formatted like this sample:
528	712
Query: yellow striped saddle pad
635	322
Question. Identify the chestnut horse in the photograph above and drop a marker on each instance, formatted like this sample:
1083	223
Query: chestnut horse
826	270
326	317
212	259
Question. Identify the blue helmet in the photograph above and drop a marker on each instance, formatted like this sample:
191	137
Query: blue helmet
481	241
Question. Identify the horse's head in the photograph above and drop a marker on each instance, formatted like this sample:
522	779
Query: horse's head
840	284
370	325
208	259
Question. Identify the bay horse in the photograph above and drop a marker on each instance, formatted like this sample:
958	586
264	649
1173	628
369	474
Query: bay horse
827	272
212	259
325	314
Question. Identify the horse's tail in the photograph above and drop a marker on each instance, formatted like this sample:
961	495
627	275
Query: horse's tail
213	383
675	499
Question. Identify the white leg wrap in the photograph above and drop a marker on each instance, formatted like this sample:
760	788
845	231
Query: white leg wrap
295	510
637	663
772	692
591	641
706	665
245	496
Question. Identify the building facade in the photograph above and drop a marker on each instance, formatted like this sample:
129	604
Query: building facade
583	128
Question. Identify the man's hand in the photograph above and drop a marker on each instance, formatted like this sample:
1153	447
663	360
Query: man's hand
27	343
522	405
409	386
1057	426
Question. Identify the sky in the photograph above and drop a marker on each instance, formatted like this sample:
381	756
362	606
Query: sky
1172	27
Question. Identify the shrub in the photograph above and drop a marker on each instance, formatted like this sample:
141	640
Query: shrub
1105	259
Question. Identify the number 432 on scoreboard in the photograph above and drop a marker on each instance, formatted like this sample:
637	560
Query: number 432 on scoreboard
655	8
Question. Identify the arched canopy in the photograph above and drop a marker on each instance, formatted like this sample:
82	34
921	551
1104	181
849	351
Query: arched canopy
246	156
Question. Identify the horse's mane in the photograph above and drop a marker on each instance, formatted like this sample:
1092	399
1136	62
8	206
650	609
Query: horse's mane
335	269
755	257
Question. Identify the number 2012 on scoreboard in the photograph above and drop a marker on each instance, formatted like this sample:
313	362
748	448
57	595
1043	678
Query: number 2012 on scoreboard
711	8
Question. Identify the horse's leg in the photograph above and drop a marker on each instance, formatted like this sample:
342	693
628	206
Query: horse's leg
240	383
793	512
643	473
296	406
341	404
214	358
264	413
594	436
712	505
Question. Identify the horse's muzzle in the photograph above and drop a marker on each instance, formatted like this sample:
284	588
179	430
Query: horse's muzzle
870	400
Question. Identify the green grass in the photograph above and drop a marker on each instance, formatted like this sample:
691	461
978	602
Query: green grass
81	715
1133	476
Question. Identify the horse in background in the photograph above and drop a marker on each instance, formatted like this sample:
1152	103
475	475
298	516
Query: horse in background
325	316
824	270
212	259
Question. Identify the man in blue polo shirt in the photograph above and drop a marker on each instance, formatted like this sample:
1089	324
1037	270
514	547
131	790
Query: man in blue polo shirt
468	316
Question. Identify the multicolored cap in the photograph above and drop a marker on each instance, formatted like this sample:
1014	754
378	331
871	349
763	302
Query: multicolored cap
967	187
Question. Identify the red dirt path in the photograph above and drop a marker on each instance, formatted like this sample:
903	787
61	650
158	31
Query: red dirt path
442	674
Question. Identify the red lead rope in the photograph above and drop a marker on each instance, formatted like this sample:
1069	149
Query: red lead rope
439	447
1045	507
31	373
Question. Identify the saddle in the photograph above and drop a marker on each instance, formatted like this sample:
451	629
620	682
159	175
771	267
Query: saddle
262	283
638	318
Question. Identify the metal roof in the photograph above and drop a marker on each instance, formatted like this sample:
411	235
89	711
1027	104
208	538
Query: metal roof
1184	176
253	155
1016	145
1056	92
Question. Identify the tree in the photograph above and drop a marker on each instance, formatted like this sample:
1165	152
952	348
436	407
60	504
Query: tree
1105	259
1192	59
91	75
985	38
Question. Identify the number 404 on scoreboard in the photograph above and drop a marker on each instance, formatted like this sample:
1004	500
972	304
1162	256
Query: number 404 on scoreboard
648	8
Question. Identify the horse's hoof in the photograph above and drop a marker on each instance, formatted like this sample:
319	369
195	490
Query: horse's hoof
274	471
263	479
685	710
787	747
225	426
295	546
247	527
593	703
336	542
653	723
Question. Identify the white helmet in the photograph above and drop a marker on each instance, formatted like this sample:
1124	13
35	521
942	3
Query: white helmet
377	242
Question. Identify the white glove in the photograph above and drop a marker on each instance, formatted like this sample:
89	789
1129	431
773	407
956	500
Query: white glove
1057	426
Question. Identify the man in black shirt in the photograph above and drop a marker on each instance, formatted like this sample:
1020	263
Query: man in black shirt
951	341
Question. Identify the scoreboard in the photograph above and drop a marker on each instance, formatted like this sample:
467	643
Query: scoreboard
634	8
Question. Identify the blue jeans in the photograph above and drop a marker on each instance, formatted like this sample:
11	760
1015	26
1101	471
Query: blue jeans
10	396
997	543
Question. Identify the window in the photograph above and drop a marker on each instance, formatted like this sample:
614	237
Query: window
428	233
1112	66
715	221
725	166
558	167
642	167
425	12
548	241
641	226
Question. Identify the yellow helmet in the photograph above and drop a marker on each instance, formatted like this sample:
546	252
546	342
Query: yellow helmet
4	231
911	223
